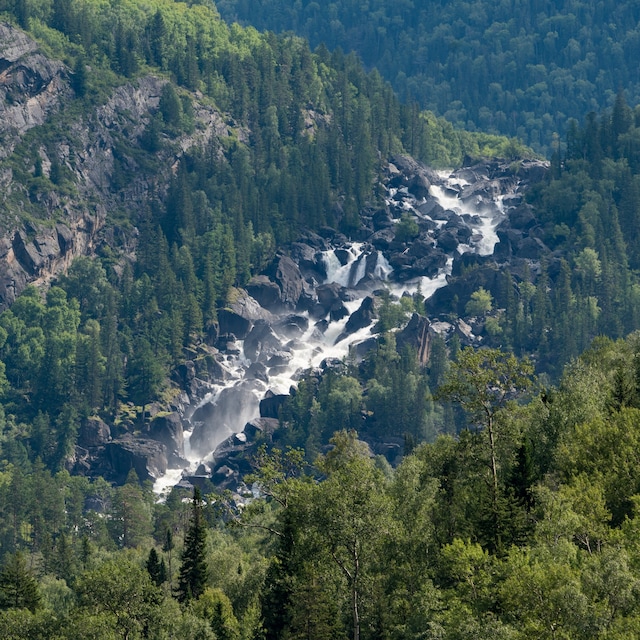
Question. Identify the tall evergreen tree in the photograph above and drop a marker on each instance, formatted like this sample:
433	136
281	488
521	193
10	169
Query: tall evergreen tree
194	570
18	587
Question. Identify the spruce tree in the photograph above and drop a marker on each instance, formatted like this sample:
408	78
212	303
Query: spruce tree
193	572
156	568
18	587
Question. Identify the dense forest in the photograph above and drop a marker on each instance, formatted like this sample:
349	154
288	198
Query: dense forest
514	67
309	132
512	513
522	526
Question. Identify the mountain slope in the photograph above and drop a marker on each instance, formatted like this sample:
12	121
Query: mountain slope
514	67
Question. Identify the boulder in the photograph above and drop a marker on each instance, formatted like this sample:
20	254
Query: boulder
261	342
531	248
148	458
421	248
448	241
432	208
238	317
417	335
292	326
309	259
286	274
522	217
168	429
260	428
361	318
361	350
419	186
382	219
330	297
266	292
271	404
257	371
383	238
93	432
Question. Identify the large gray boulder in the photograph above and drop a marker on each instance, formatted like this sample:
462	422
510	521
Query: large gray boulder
416	334
168	430
148	458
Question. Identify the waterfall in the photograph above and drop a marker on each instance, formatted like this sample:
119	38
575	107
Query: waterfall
235	401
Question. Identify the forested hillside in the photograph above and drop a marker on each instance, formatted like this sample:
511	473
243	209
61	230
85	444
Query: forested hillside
251	139
523	525
153	161
516	67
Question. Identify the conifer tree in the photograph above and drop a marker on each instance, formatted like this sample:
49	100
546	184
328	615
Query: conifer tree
18	588
156	568
194	571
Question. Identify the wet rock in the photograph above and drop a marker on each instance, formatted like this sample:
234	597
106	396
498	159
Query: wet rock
448	241
419	186
382	220
257	371
330	298
360	318
383	239
266	292
286	274
292	326
421	248
228	413
309	259
261	342
168	429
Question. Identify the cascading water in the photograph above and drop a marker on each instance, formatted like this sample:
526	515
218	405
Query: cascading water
358	267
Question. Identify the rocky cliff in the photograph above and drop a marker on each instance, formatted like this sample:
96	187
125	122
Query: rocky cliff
59	157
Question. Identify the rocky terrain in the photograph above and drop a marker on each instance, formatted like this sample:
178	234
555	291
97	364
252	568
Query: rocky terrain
70	219
317	301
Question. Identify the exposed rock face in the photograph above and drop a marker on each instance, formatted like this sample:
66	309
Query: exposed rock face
417	334
168	430
33	89
31	86
147	457
94	432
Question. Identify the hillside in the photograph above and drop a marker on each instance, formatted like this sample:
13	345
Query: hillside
386	371
511	67
182	186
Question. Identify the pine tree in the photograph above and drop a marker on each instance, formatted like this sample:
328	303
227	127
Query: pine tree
156	568
167	547
194	571
18	588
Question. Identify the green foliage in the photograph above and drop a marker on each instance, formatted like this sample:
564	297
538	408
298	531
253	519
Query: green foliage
18	587
407	229
515	68
480	303
193	570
